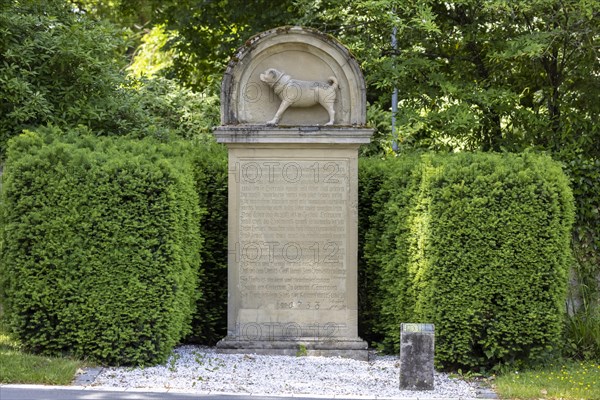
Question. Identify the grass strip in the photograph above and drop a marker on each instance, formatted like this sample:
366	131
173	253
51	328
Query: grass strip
16	366
570	381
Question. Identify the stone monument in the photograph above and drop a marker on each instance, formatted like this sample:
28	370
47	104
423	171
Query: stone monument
293	117
417	346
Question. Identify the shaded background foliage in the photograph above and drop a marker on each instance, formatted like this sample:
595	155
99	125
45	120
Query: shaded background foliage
60	69
209	162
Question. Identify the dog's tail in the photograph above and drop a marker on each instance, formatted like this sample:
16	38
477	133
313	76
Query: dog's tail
333	82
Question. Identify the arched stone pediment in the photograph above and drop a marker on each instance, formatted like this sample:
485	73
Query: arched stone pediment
302	55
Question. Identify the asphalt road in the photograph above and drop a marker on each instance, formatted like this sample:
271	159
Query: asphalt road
31	392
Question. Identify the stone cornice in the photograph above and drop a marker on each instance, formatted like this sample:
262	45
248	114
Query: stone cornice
293	134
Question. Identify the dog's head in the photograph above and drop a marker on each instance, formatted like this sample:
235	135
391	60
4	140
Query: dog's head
270	76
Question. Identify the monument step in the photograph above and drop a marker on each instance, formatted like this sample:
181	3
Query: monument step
345	348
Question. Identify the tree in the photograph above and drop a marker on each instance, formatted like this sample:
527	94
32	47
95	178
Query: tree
479	75
205	33
58	67
471	75
136	14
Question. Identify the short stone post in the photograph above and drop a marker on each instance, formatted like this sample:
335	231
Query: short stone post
417	344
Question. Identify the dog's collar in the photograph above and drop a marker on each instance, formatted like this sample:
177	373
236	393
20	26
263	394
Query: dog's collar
280	76
279	88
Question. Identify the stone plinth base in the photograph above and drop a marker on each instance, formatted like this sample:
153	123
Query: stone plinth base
355	349
292	274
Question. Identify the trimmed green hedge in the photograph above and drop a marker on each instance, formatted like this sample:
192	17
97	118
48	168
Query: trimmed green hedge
101	245
386	189
478	244
102	240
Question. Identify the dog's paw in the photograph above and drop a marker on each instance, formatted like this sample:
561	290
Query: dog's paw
271	123
329	123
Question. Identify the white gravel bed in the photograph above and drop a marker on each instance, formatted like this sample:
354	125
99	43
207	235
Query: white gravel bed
202	369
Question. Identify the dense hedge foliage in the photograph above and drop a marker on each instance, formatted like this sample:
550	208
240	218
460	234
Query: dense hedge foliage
101	245
583	325
384	196
478	244
101	248
209	161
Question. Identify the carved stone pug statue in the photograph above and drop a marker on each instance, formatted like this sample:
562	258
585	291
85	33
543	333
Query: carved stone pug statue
297	93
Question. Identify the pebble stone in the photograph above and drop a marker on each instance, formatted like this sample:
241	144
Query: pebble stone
202	369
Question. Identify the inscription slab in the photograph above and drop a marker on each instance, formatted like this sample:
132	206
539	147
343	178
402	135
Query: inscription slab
292	234
292	249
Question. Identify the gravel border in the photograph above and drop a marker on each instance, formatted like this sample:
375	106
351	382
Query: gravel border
201	369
